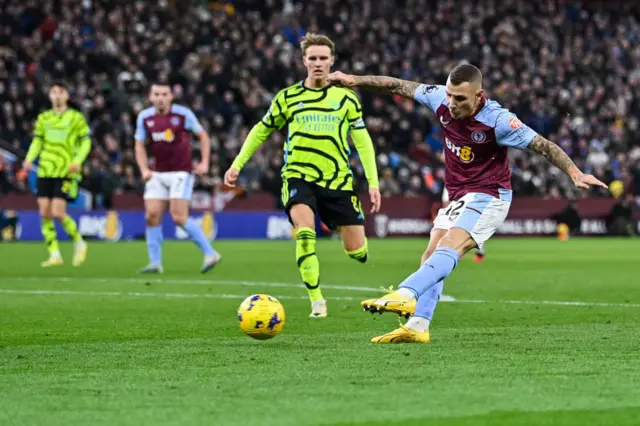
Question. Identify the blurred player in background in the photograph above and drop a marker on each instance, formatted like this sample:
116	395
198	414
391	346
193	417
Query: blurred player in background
316	173
62	141
167	128
477	133
478	256
8	225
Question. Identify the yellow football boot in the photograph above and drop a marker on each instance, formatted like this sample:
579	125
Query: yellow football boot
52	261
391	302
403	335
80	253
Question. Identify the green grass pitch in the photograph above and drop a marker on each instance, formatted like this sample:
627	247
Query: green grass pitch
99	345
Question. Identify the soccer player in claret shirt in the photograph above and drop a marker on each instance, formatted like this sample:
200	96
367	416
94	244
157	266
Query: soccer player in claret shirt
168	127
316	173
62	141
477	133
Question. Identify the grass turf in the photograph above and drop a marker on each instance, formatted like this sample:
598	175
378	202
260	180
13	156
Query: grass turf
99	345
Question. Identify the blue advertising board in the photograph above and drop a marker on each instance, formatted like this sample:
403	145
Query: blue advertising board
129	225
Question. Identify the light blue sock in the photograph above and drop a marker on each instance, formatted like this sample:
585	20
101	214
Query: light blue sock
427	302
198	237
154	244
435	269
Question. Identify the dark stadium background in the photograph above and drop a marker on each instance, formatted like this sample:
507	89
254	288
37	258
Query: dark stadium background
571	70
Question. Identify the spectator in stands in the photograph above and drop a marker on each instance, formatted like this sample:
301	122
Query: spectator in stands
580	88
620	220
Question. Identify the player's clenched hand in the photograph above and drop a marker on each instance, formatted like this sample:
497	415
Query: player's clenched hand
376	200
584	181
231	176
27	166
74	168
341	79
146	174
201	169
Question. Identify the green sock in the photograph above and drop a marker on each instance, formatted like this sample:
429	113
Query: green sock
71	228
50	237
360	254
308	262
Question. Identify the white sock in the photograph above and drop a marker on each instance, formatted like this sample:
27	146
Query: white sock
406	293
418	324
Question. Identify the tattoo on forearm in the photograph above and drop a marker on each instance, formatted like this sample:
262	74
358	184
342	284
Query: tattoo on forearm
388	85
553	153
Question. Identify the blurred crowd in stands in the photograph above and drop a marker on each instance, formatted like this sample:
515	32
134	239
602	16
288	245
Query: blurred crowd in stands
571	70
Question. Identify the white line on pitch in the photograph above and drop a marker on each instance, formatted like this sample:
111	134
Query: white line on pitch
553	302
151	294
239	296
101	280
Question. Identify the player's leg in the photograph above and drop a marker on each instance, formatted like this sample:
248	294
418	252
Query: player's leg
156	196
180	196
417	328
59	213
63	189
300	204
342	210
8	221
354	242
179	210
474	219
303	219
48	228
432	296
403	301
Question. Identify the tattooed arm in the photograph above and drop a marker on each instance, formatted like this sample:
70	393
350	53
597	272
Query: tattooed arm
555	155
387	85
375	83
561	160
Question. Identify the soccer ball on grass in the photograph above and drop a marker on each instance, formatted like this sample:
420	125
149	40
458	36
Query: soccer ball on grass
261	316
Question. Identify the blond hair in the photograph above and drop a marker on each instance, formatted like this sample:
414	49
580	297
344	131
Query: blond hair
312	39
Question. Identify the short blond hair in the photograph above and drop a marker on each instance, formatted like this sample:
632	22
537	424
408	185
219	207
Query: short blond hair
313	39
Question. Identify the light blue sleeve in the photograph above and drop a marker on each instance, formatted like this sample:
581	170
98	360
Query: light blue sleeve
430	95
190	120
192	123
512	132
141	132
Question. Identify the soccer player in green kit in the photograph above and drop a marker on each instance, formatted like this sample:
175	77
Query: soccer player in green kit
316	173
62	140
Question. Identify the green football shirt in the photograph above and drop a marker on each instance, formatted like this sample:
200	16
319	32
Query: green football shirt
319	123
59	139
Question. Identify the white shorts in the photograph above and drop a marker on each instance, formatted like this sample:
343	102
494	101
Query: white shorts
445	196
478	214
169	186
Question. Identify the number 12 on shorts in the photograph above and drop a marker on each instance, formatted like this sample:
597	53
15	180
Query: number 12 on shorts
454	209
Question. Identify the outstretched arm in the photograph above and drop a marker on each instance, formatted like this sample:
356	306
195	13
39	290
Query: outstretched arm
375	83
561	160
387	85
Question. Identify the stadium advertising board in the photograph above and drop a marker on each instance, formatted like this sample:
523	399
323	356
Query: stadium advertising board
130	225
409	217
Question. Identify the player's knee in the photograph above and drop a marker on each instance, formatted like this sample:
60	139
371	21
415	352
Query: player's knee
179	218
459	240
356	248
59	216
152	218
58	213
